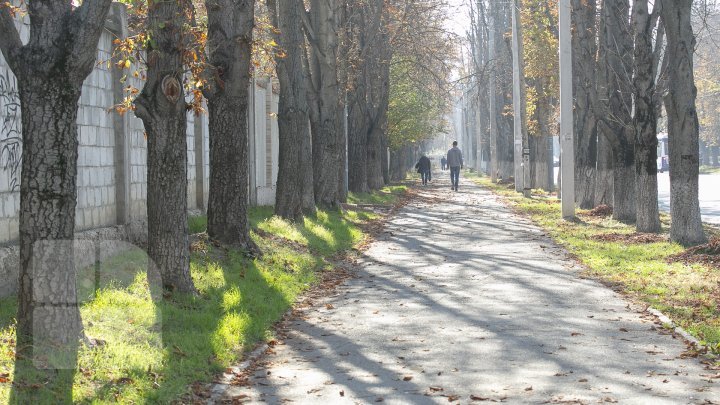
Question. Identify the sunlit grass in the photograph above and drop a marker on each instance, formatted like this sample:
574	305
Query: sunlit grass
709	170
687	293
387	195
152	351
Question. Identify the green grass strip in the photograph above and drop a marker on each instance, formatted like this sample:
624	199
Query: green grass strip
152	352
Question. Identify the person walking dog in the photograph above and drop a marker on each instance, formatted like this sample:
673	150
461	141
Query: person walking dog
455	162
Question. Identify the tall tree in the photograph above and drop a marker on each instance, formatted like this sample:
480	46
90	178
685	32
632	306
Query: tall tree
295	195
616	45
584	46
540	45
645	120
683	127
229	45
50	70
322	24
162	108
368	98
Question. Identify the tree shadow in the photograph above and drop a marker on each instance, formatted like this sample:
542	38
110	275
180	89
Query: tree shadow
199	335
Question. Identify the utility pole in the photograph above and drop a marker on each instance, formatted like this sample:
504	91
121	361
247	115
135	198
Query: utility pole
567	153
522	148
493	96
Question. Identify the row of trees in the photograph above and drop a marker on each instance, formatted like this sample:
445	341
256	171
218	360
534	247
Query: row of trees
633	69
361	74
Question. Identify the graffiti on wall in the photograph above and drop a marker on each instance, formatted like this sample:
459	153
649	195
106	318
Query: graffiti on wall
10	130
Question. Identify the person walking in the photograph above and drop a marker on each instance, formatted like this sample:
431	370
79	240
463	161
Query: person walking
443	163
455	162
423	167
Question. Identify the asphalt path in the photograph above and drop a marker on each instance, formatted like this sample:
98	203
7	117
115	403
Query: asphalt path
462	301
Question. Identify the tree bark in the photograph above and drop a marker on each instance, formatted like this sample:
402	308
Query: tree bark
617	49
230	25
584	45
326	109
162	108
605	174
50	70
683	128
645	122
295	196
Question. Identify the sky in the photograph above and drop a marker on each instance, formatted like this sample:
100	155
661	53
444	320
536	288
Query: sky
459	21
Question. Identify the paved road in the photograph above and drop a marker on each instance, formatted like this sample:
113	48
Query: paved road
462	300
708	193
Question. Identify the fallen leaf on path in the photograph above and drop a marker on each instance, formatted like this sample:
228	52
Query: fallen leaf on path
407	378
583	380
623	330
329	306
379	399
342	393
528	388
479	398
453	398
576	334
436	389
314	390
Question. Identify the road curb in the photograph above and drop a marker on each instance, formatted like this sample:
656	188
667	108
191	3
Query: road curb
221	386
692	340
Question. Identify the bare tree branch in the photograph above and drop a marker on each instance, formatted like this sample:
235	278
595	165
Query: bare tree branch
10	43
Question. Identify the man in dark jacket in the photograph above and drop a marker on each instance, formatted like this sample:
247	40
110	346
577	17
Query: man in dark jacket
455	161
423	167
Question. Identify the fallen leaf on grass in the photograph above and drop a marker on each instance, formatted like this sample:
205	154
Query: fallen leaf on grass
124	380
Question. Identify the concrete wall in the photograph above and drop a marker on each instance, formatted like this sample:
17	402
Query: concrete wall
112	171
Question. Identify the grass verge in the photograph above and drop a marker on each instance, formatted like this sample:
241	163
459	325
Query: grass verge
156	351
687	293
709	170
386	196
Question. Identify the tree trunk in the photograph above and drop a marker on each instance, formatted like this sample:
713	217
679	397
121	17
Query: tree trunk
50	71
605	173
378	133
326	112
683	128
295	196
584	45
161	106
358	136
230	25
540	155
645	122
617	48
48	312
